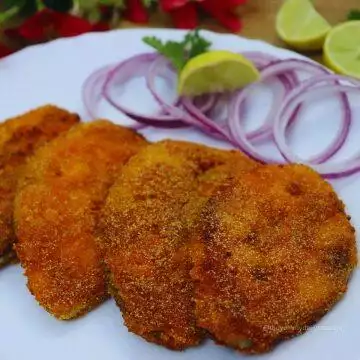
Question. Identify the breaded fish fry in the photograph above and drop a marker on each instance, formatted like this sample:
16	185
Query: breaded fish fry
56	209
276	252
145	227
19	138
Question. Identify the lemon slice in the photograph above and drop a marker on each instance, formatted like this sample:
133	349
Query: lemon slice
216	71
342	49
301	26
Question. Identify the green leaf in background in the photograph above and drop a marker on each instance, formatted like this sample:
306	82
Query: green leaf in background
8	4
354	15
59	5
8	14
94	15
10	8
116	3
29	7
86	4
149	3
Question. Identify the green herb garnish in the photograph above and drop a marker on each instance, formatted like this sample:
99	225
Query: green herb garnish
179	53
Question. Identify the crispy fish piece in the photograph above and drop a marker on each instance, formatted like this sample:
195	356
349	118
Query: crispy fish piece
275	253
19	138
56	209
145	227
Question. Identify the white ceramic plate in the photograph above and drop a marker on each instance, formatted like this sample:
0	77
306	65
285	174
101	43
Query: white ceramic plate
54	73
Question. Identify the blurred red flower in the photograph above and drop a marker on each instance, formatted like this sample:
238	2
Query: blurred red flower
136	11
5	51
184	12
48	24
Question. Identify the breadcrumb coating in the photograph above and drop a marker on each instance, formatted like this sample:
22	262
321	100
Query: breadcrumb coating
19	138
56	209
145	228
274	253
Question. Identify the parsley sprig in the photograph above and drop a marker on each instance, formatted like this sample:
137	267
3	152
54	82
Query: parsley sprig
179	53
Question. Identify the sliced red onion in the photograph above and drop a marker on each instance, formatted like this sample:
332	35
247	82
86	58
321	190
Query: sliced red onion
288	80
301	94
206	103
275	69
179	108
92	94
343	132
205	123
262	60
202	112
259	58
137	66
92	90
155	70
265	130
278	67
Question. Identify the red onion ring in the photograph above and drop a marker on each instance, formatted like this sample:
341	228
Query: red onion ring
92	90
262	60
287	80
265	130
205	123
299	95
206	103
151	74
259	58
275	69
92	94
343	133
136	66
315	69
195	111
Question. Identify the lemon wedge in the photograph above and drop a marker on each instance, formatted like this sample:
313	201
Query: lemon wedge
299	25
342	49
216	71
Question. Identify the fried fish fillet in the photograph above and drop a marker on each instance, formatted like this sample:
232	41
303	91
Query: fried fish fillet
145	227
275	253
19	138
56	209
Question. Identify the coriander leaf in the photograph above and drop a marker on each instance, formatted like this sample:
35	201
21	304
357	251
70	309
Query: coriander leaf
171	50
87	4
9	13
179	53
116	3
354	15
195	45
154	42
148	3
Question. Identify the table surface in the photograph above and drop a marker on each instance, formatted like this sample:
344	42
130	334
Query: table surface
259	18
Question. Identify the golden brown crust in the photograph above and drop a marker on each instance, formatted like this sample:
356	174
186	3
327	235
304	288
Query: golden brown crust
64	185
145	230
19	138
276	251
